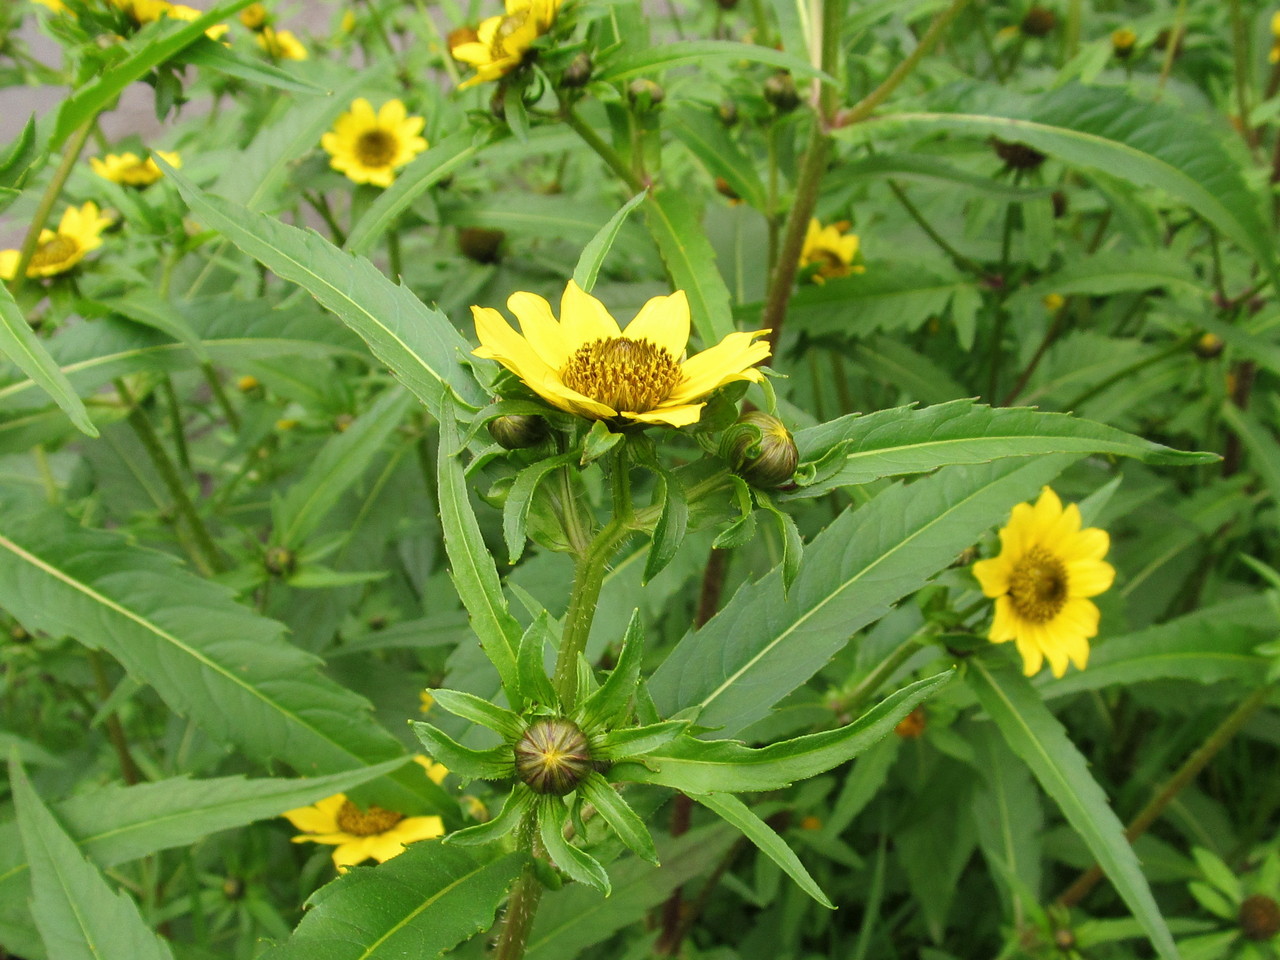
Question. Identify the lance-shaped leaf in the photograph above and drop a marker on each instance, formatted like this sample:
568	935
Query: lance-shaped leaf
208	657
421	903
535	685
766	839
496	763
515	512
636	741
518	803
581	866
473	708
729	766
21	345
79	916
763	644
858	449
593	254
624	821
418	343
471	565
1038	738
609	705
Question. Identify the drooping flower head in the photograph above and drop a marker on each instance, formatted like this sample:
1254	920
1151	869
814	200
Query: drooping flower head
369	147
79	231
130	170
359	835
586	364
501	43
1047	568
831	248
281	44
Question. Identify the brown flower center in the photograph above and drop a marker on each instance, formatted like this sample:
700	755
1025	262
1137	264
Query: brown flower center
631	376
366	823
830	263
1038	586
1259	917
376	148
55	251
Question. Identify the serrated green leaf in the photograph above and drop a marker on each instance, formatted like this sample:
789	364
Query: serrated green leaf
674	225
418	904
79	916
904	440
515	512
729	766
593	254
624	821
209	658
673	522
578	864
19	342
734	811
496	763
418	343
518	803
535	685
762	645
609	705
477	710
638	741
1037	737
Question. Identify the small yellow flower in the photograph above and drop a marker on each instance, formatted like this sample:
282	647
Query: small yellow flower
1053	302
254	16
247	383
1274	56
359	835
79	231
1046	570
832	249
1123	41
425	702
502	42
585	364
281	44
149	11
348	22
369	147
436	772
130	170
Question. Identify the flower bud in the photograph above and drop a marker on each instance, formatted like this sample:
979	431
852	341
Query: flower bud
780	91
1039	22
552	756
1061	205
1017	156
248	383
760	450
1123	42
18	634
727	112
481	244
1259	917
578	73
280	561
645	94
254	16
911	727
518	431
1208	346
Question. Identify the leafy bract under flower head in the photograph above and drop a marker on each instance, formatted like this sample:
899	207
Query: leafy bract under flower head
584	363
370	146
1046	569
79	231
502	42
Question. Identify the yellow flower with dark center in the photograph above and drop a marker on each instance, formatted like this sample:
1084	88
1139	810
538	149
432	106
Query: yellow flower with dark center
832	248
281	44
1046	570
359	835
501	43
586	364
369	147
79	231
255	16
1122	42
130	170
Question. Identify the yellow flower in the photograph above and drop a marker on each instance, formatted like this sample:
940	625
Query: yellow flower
130	170
149	11
1053	302
254	16
369	147
502	42
1274	56
585	364
425	701
1122	42
359	834
436	772
281	44
79	231
831	249
1046	569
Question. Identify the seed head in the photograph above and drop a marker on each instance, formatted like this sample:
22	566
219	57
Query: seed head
552	756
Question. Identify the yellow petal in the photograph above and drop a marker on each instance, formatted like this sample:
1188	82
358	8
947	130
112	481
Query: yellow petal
1088	578
1004	625
8	264
541	329
384	846
1091	543
392	114
993	575
663	321
1032	657
733	358
566	398
321	817
349	854
499	342
679	415
584	318
413	829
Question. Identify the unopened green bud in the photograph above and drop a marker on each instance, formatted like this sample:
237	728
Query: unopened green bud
552	756
1208	346
280	561
518	431
481	244
760	450
780	91
645	94
578	73
1039	22
1017	156
1259	917
727	112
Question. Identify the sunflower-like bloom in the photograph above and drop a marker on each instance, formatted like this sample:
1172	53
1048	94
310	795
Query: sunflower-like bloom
130	170
281	44
831	248
79	231
359	835
585	364
369	147
1046	570
501	43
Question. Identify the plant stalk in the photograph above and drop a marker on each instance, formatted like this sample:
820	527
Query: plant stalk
522	905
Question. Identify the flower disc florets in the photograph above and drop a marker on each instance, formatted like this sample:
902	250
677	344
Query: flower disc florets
552	756
625	374
1259	917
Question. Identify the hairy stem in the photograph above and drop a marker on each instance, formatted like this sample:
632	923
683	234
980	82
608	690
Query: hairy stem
522	905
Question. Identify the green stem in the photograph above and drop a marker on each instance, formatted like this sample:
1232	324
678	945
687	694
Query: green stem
1176	347
215	384
605	152
206	557
522	905
853	702
959	259
393	254
1243	70
1189	770
1175	38
175	422
51	193
320	203
115	731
